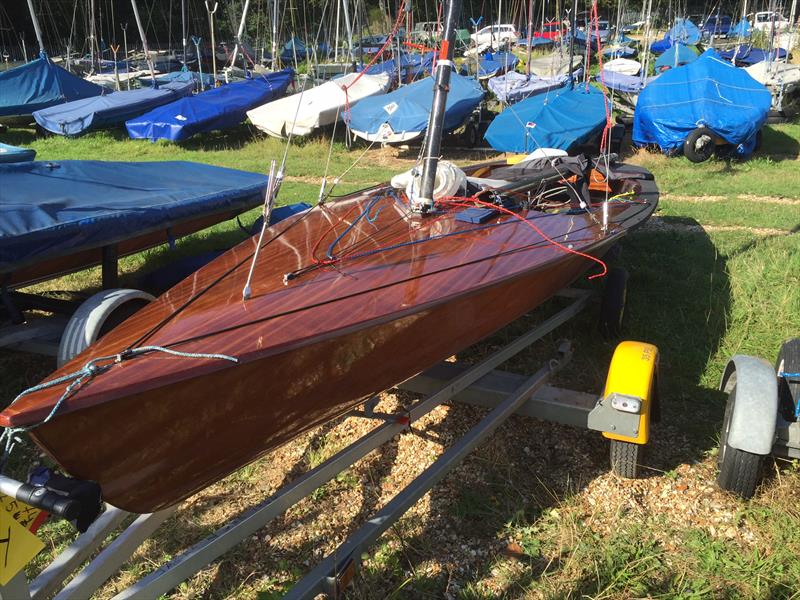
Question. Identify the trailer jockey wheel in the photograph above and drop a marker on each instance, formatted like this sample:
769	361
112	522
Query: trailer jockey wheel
788	387
699	145
612	306
630	390
96	316
470	135
739	471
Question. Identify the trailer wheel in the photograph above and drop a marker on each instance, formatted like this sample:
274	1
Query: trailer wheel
625	459
96	316
470	135
739	471
699	145
788	391
612	306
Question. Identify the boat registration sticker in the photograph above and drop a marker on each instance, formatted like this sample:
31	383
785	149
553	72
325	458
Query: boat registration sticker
530	124
18	547
391	107
181	118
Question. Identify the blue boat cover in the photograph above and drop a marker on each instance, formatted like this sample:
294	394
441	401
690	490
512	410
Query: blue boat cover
40	84
684	31
52	209
217	108
676	56
407	109
294	47
492	63
619	52
562	119
741	29
81	116
206	80
619	82
536	42
412	66
745	55
14	154
515	87
709	92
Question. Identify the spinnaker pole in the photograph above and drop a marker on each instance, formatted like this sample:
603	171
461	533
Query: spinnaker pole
433	141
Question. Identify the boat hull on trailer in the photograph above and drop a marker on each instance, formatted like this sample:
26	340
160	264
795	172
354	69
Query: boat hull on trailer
153	429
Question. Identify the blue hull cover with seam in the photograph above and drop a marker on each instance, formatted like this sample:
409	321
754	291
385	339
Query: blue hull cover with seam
81	116
559	119
41	84
408	108
52	209
676	56
709	92
217	108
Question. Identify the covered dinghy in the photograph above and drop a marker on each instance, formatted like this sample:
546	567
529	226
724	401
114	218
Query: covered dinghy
213	109
40	84
515	87
54	210
13	154
684	32
709	93
81	116
744	55
303	112
563	119
676	56
403	114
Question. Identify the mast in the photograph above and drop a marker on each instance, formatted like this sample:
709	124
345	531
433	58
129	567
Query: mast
433	140
142	35
239	34
92	34
36	28
274	34
572	28
183	30
211	12
530	35
349	28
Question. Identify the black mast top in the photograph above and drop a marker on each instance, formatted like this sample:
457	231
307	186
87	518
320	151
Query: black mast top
433	141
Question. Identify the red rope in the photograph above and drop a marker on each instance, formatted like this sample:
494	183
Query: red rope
464	202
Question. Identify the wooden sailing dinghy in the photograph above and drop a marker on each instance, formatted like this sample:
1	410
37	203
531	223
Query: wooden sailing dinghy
347	299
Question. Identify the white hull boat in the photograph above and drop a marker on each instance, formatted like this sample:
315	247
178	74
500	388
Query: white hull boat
307	110
555	64
624	66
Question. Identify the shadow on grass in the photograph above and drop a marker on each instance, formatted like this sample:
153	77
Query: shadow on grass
778	145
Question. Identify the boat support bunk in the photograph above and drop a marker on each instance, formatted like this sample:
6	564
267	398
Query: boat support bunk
622	414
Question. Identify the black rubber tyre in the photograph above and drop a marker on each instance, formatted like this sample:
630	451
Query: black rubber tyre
788	392
759	140
470	135
777	117
739	471
625	120
612	307
625	459
699	145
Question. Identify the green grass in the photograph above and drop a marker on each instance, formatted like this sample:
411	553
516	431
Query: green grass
699	295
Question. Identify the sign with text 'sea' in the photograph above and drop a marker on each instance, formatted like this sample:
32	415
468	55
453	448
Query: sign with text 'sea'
18	545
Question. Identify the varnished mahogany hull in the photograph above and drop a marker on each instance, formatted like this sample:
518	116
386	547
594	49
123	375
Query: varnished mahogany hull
403	293
335	375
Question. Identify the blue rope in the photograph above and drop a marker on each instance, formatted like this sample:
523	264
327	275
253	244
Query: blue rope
89	371
364	213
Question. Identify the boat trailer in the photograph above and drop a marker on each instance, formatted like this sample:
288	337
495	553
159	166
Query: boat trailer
622	414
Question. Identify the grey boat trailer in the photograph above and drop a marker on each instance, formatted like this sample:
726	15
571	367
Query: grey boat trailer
616	414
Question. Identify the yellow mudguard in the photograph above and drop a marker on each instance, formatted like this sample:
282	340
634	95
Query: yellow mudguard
633	372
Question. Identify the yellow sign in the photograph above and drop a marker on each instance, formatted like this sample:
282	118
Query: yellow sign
27	516
18	546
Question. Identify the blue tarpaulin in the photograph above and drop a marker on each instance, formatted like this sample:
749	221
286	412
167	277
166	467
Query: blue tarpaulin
52	209
407	109
412	66
745	55
293	48
684	31
13	154
515	87
619	52
493	63
676	56
40	84
562	119
213	109
206	80
619	82
81	116
741	29
709	92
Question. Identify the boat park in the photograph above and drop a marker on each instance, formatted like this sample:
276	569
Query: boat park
366	299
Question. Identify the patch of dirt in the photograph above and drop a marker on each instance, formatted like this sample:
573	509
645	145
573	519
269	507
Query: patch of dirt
768	199
659	224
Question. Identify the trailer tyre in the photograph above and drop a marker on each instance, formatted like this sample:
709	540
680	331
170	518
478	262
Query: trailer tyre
96	316
470	135
699	145
788	390
625	459
612	307
739	471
